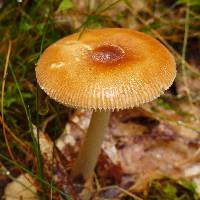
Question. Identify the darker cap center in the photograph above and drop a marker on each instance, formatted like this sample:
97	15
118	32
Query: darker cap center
107	54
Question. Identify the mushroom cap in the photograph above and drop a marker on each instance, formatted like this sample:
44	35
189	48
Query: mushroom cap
109	68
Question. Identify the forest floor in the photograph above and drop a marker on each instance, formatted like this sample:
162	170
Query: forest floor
150	153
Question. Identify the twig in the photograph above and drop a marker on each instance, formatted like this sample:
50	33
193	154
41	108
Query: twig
2	99
12	134
183	65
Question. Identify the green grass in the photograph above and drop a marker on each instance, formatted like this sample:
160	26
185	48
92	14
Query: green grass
169	189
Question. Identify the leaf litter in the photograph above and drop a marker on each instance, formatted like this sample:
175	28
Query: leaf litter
22	187
137	149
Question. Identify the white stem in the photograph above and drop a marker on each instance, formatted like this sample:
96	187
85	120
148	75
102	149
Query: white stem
91	147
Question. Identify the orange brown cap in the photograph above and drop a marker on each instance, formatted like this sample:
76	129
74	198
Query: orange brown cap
109	68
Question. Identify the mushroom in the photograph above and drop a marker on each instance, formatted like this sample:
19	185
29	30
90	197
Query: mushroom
104	70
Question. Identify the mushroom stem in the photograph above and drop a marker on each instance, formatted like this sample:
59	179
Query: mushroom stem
91	147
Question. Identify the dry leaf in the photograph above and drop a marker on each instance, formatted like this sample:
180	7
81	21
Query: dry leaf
21	188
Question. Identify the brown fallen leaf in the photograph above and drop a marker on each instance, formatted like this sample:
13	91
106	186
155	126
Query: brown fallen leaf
108	170
55	166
